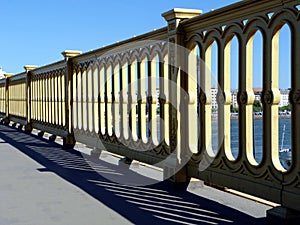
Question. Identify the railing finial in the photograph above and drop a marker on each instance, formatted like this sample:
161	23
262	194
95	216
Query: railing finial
70	53
180	13
8	75
29	67
174	16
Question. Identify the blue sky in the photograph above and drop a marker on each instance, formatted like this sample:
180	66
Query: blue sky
36	32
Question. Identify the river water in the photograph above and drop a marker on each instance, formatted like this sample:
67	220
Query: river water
284	141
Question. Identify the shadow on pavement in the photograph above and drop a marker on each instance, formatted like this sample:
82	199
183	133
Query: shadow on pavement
160	203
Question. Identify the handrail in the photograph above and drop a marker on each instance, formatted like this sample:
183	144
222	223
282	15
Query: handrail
236	12
159	34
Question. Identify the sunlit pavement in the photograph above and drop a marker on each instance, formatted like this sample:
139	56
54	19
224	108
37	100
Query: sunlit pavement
43	184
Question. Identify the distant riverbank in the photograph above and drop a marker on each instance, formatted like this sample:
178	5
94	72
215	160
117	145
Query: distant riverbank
256	116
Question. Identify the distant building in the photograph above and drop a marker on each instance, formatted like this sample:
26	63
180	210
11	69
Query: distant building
257	93
1	73
284	100
234	101
214	103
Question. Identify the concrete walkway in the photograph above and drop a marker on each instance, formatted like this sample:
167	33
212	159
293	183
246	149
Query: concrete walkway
43	184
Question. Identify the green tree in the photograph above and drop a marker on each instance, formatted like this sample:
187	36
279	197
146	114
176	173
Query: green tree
286	108
233	109
257	107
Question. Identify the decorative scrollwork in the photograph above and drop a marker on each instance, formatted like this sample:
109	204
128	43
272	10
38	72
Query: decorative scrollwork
173	129
221	97
202	98
268	97
295	97
243	97
149	99
162	99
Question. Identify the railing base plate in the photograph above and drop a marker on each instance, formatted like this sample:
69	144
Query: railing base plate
28	128
283	216
6	121
41	133
69	142
125	161
96	153
178	178
52	138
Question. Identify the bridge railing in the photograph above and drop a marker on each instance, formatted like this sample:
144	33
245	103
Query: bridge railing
17	104
2	98
266	178
48	99
150	98
115	95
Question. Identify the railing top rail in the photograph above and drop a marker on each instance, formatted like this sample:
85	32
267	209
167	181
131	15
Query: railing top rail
238	11
56	66
2	81
18	77
156	35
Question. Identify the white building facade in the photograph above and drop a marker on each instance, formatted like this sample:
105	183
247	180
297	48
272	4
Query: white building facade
1	73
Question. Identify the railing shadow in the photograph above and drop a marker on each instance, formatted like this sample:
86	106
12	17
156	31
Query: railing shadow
158	203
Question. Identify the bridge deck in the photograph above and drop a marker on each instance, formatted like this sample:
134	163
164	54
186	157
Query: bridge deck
43	184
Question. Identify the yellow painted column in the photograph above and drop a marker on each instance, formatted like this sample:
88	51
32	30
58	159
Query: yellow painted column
7	75
67	90
176	60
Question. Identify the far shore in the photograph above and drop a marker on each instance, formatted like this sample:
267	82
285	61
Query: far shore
215	116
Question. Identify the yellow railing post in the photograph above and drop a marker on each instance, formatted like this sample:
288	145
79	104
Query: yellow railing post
28	68
69	141
175	168
7	75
